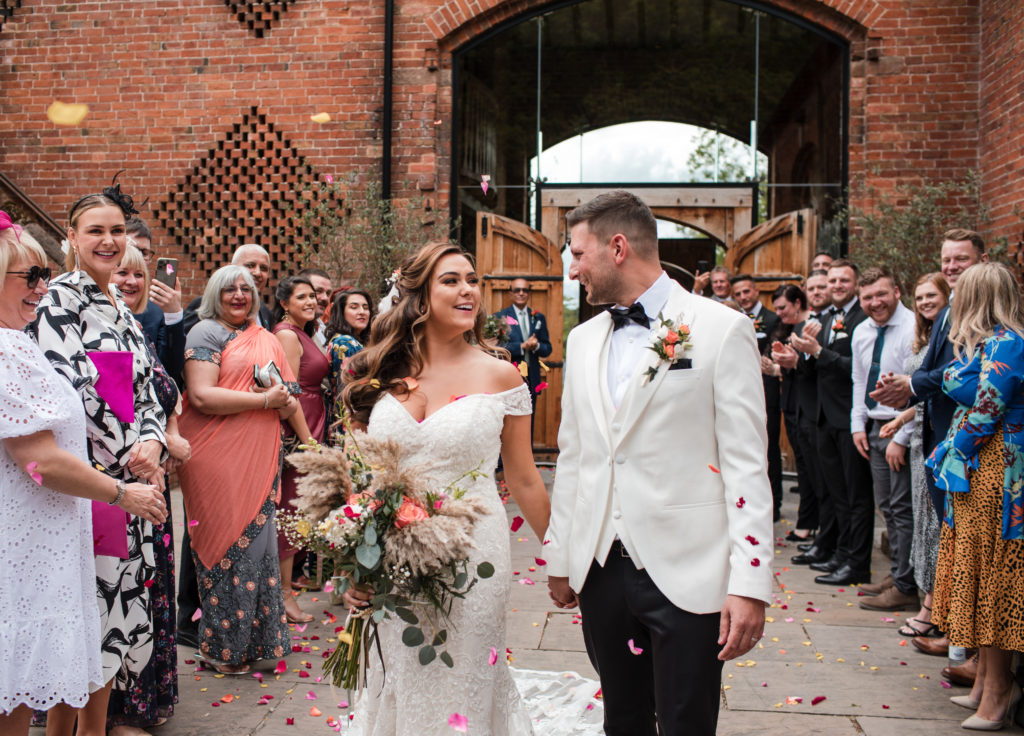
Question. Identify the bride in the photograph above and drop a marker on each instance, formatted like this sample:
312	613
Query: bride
462	407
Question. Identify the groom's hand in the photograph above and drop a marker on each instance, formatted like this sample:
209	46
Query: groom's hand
742	626
561	593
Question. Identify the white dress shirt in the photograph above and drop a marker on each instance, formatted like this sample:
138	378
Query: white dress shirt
629	344
899	338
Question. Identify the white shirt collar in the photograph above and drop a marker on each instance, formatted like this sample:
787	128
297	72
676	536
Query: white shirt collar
654	299
755	311
898	317
845	309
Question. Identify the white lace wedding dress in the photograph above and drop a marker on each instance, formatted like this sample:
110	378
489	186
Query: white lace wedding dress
410	699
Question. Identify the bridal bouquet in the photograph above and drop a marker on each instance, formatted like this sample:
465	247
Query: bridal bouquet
496	328
386	532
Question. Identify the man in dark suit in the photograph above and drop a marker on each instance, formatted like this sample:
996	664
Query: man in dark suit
847	474
257	261
527	338
746	295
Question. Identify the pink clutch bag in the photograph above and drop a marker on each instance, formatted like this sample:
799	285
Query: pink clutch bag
109	530
114	384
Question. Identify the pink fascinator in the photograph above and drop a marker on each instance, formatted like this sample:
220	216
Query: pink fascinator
6	222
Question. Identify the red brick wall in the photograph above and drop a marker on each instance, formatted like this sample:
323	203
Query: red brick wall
935	90
1001	113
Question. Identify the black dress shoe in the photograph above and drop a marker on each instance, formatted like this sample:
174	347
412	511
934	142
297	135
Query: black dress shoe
805	546
830	565
814	554
844	575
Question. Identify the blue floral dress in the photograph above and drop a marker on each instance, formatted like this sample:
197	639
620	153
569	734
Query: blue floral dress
979	585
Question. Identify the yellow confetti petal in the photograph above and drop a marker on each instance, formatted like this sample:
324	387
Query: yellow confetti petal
218	676
66	114
874	669
769	619
203	689
727	687
775	639
320	117
840	659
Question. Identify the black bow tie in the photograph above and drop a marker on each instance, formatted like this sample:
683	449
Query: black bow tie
621	316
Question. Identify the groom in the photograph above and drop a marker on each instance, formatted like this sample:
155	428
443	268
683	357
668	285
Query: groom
661	519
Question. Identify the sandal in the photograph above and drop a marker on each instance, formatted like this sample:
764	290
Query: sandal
909	629
303	618
226	669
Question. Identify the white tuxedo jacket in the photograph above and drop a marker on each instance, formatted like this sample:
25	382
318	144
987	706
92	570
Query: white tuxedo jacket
700	534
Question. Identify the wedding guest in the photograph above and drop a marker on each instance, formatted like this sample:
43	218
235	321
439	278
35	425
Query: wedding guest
49	621
256	261
160	313
931	295
719	279
150	699
295	315
883	343
979	583
92	339
232	480
790	304
747	295
821	262
348	330
527	339
321	281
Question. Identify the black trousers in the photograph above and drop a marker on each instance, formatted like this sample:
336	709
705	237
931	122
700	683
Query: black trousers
807	514
188	587
672	688
774	426
828	530
848	477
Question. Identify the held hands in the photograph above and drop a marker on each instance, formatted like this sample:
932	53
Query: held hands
144	458
896	456
275	397
890	428
742	626
168	299
892	390
561	593
180	451
144	501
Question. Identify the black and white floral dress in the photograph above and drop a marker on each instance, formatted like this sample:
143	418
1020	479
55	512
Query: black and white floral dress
76	318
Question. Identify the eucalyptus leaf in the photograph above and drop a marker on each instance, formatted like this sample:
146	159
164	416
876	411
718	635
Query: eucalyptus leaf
485	569
369	556
412	636
447	659
440	637
407	615
378	615
460	580
371	534
427	655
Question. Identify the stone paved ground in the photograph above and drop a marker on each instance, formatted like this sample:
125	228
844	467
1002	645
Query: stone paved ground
818	643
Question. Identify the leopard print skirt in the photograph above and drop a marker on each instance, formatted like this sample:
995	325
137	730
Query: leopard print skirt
979	583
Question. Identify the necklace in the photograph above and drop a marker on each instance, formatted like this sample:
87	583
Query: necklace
233	328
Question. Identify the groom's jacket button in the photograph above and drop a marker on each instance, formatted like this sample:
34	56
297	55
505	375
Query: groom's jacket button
620	459
617	515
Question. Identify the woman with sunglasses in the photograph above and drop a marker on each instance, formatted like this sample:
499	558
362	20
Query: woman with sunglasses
50	628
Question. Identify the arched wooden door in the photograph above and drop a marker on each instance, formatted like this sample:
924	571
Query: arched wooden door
507	250
778	251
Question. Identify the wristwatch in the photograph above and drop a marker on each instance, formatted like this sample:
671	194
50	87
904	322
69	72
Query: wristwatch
121	488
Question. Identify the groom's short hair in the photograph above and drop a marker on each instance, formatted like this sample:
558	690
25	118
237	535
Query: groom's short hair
619	211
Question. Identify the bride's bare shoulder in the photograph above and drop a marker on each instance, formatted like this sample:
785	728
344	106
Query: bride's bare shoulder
501	374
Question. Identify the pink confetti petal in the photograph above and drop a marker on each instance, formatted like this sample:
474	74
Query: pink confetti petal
945	684
31	470
301	627
192	523
458	722
526	581
258	676
818	699
281	667
343	704
328	587
492	659
540	561
311	695
633	648
485	180
328	178
541	386
752	540
517	521
740	503
198	614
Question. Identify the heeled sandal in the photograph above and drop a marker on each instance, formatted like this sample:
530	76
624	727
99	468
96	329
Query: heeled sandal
909	629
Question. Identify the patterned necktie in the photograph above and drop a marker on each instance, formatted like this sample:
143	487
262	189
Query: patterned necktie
524	322
621	316
876	367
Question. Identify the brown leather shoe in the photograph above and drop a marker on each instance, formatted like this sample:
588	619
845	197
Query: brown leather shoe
891	599
963	674
931	645
878	588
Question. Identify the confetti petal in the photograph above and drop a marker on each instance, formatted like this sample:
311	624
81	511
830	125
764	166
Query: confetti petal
315	712
289	721
458	722
713	469
818	699
492	659
320	117
740	503
281	667
517	521
328	178
328	587
752	540
31	470
540	561
541	386
311	695
633	648
60	113
227	698
194	522
755	562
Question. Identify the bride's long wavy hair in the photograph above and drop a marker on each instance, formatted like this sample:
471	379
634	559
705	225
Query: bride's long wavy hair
396	337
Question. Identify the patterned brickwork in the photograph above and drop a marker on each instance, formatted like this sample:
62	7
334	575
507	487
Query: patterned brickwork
7	8
236	194
259	17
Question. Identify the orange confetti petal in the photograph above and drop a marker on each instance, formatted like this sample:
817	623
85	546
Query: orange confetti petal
713	469
228	698
315	712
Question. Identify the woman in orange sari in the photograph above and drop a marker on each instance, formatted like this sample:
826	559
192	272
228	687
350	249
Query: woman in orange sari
233	479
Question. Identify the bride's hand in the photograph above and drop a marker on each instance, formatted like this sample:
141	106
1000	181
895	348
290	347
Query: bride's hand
356	597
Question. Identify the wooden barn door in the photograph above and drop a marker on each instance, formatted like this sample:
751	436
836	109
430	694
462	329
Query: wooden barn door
778	251
507	250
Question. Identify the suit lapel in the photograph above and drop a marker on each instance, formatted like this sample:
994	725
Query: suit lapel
640	390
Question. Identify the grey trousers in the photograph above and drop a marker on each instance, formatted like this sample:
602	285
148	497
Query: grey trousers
895	500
